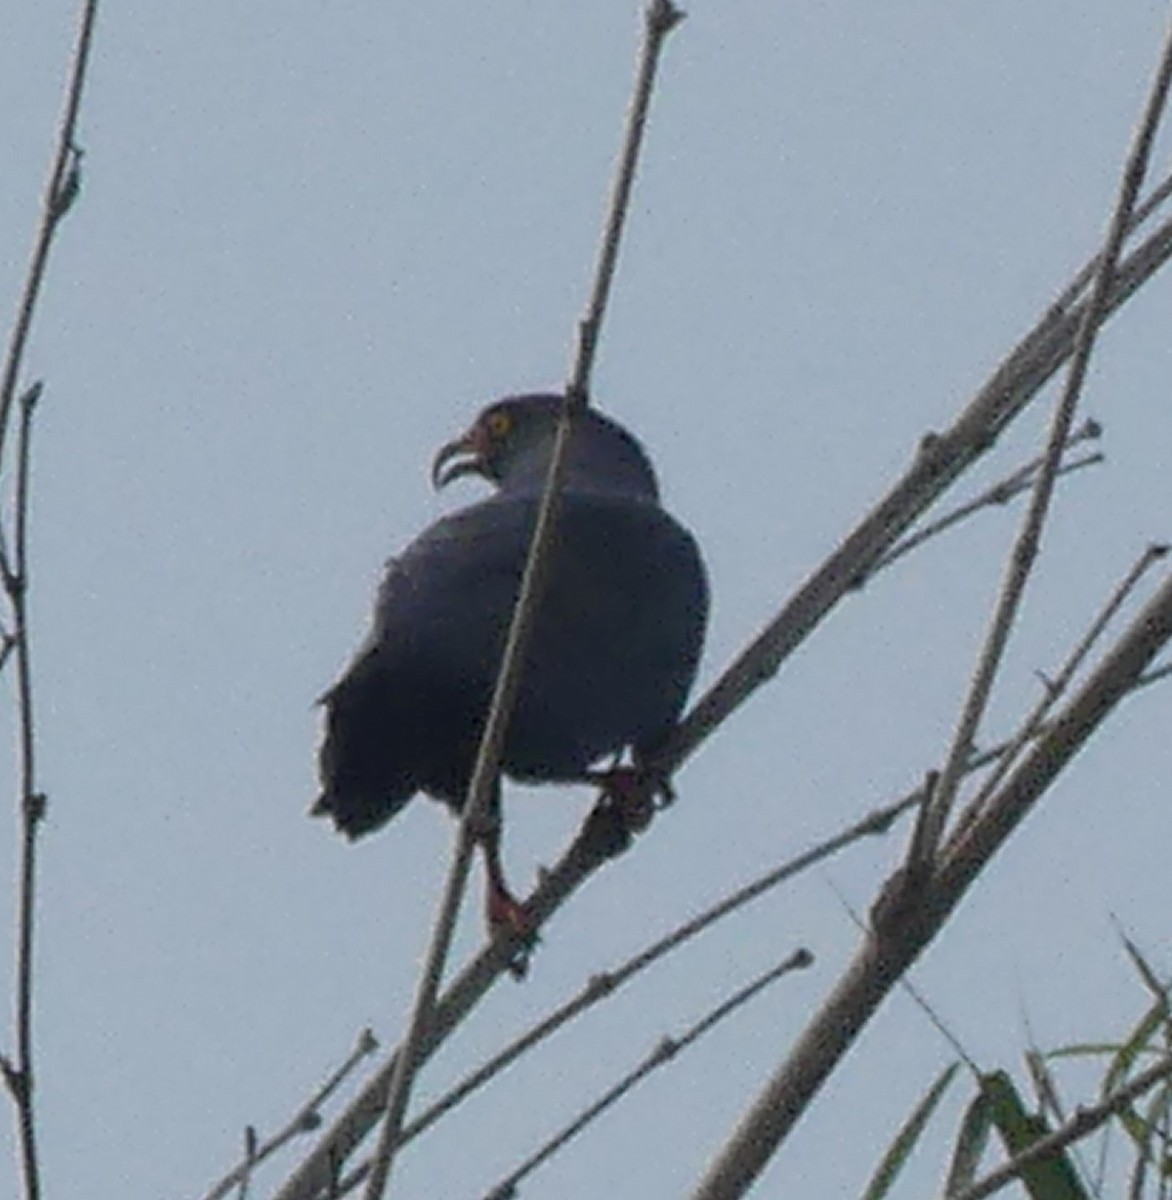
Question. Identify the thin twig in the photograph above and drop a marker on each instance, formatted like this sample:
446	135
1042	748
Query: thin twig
20	1075
1085	1120
941	460
661	18
250	1162
1025	552
306	1119
660	1055
1056	686
901	934
1158	195
60	192
1000	494
606	983
663	1052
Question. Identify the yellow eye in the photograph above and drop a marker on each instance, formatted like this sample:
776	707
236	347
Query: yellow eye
498	423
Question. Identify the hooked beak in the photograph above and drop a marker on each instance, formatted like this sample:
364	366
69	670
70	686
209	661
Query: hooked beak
464	455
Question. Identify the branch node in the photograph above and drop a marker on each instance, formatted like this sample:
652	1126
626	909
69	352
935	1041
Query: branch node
69	188
13	1079
35	807
663	17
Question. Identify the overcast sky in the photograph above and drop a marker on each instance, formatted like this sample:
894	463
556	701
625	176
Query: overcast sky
313	240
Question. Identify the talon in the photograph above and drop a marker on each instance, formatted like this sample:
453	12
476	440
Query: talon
507	918
635	792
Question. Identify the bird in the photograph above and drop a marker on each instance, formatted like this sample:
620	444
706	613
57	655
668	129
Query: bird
616	640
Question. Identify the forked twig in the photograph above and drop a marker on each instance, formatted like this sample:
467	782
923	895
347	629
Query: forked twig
306	1119
902	932
661	18
60	192
941	460
660	1055
1056	686
996	496
606	983
1021	561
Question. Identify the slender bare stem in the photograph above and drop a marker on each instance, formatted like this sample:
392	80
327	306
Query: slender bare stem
660	1055
306	1119
1000	494
1025	552
60	191
942	458
1058	684
605	984
661	17
32	805
901	932
1159	194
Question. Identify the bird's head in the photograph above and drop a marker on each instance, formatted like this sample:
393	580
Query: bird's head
510	444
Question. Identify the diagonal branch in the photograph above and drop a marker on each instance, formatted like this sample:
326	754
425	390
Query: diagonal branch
304	1120
1056	686
998	495
942	458
605	984
661	17
1025	552
902	932
659	1056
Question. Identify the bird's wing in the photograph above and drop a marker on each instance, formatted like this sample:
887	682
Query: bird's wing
406	714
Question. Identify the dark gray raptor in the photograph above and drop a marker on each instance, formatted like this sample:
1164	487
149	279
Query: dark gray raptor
614	648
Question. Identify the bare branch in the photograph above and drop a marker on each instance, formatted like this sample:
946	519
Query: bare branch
1025	552
661	18
474	981
606	984
661	1054
902	931
1055	687
60	193
940	459
306	1119
20	1076
1000	494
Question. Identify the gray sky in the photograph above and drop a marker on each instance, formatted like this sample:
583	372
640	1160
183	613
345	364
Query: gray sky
313	240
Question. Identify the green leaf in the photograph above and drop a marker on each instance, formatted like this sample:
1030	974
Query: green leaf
1053	1178
900	1150
970	1145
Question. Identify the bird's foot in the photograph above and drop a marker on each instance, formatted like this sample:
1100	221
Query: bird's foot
635	792
508	919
